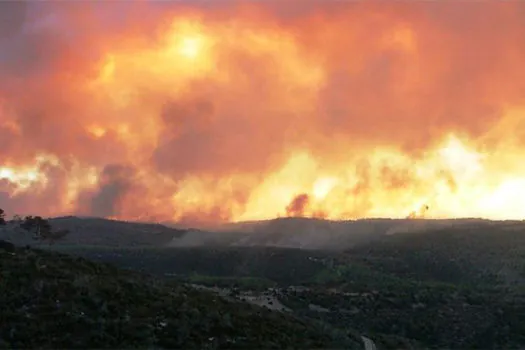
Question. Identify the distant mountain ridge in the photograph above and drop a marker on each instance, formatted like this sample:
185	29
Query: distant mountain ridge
304	233
307	233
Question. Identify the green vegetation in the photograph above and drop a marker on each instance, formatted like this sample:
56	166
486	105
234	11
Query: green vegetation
436	316
484	254
39	227
245	283
459	287
282	266
455	288
51	300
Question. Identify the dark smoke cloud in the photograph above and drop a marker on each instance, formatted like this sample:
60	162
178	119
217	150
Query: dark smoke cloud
298	206
115	182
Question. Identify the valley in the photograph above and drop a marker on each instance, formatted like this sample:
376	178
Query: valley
454	284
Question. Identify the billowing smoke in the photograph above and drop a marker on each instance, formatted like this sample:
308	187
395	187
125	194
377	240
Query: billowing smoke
115	182
226	111
298	205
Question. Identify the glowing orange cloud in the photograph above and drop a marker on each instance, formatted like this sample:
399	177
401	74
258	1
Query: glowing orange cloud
212	113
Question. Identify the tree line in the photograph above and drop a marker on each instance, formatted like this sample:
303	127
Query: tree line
40	228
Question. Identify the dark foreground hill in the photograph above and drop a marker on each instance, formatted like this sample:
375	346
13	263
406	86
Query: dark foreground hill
51	300
459	287
456	285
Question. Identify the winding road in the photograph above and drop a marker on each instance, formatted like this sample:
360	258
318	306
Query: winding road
369	343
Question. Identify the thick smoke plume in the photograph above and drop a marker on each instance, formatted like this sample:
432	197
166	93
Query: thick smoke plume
234	111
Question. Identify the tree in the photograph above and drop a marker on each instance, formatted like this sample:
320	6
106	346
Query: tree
2	217
41	229
37	225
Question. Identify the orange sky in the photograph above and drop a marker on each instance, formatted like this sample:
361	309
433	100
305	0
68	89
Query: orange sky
240	110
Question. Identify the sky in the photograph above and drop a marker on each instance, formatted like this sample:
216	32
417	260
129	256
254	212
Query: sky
208	112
